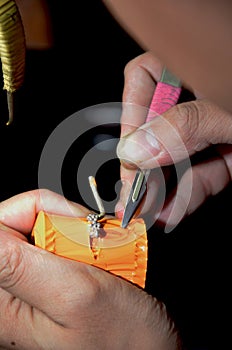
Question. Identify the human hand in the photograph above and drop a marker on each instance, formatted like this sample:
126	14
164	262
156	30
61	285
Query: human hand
49	302
181	132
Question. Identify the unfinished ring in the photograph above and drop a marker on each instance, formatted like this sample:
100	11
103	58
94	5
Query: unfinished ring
94	225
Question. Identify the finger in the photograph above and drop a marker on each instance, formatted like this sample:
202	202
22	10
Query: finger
22	327
140	76
182	131
12	232
197	184
154	194
19	212
51	284
127	178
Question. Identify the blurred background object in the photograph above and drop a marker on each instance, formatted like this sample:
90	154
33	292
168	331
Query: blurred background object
37	23
70	64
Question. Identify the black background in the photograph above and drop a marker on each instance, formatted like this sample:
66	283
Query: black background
188	268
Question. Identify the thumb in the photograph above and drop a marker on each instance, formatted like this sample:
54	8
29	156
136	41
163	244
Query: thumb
182	131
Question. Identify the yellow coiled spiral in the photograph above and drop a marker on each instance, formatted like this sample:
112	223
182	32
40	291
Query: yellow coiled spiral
12	50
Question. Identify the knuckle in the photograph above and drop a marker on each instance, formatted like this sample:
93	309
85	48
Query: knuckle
41	192
129	66
10	265
91	287
200	124
88	296
96	285
133	64
190	120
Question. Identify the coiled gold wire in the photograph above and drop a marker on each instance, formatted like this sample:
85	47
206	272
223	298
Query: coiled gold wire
12	50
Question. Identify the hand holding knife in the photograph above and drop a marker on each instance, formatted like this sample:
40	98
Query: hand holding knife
166	95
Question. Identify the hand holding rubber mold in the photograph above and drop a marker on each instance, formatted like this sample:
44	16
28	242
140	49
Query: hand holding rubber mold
48	301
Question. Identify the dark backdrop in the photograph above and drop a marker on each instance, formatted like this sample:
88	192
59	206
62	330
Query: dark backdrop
187	268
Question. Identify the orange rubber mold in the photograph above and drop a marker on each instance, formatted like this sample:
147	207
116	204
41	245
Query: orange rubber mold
120	251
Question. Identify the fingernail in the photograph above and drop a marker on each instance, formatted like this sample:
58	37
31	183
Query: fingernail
128	165
139	147
119	210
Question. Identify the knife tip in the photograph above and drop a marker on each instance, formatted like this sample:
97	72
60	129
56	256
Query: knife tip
124	223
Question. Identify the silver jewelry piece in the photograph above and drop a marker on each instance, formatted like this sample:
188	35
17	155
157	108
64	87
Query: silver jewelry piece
94	225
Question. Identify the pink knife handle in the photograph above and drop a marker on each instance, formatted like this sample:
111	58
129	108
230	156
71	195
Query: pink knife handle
165	97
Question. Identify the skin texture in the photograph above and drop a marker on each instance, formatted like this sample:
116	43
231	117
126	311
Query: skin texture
199	124
192	38
49	302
